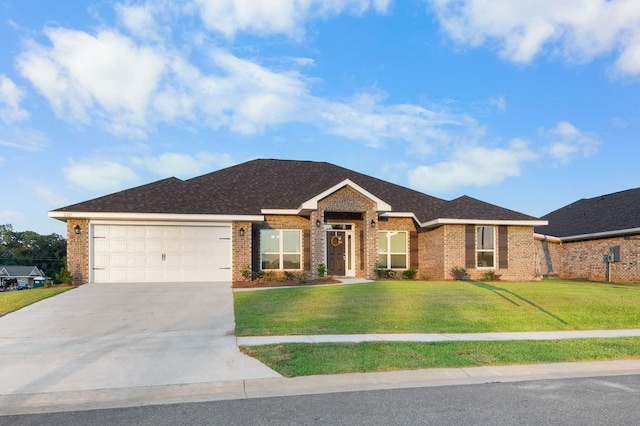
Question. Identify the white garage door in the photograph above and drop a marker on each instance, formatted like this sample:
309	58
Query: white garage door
154	253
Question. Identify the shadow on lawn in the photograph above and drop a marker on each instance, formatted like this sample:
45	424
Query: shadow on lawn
500	290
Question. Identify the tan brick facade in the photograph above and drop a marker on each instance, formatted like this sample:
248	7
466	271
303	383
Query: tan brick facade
241	249
584	259
443	248
78	250
438	250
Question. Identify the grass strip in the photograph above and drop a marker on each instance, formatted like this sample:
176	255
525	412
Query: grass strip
303	359
438	307
11	301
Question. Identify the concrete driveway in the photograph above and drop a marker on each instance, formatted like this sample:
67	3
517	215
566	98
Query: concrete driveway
105	336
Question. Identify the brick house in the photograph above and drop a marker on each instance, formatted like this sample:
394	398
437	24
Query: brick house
596	239
282	215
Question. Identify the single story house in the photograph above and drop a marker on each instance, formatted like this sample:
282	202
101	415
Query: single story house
284	215
596	238
23	273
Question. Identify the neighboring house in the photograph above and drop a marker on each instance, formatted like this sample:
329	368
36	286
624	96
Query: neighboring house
279	215
596	239
22	273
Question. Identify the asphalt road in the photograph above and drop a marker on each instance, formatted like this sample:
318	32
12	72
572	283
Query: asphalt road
586	401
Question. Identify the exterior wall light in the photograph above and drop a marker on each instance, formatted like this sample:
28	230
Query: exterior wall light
373	223
318	223
77	229
242	232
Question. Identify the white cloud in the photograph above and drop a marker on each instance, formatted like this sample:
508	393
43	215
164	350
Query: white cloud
286	17
105	77
10	98
24	139
366	118
577	30
472	166
566	142
182	165
129	87
100	175
140	20
47	194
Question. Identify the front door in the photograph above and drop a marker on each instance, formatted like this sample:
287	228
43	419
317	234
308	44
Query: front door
336	253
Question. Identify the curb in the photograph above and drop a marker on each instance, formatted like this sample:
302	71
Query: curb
92	399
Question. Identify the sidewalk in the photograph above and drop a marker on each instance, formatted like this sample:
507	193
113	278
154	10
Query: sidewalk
436	337
14	404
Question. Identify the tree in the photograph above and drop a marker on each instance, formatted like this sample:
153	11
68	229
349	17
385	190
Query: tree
47	252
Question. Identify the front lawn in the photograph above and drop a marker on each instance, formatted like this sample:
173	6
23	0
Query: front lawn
302	359
13	300
438	307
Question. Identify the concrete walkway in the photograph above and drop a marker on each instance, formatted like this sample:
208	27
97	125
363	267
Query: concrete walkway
436	337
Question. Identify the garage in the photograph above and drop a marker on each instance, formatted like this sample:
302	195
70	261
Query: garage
160	253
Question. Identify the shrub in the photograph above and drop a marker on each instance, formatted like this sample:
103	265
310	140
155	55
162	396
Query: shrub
298	276
247	273
459	274
63	277
490	276
409	274
322	270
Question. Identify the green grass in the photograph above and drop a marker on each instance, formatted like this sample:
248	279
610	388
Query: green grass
432	307
302	359
13	300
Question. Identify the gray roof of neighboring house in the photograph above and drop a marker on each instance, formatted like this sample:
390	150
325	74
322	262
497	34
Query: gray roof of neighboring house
247	188
605	213
21	271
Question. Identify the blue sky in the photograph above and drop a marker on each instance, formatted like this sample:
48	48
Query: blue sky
528	104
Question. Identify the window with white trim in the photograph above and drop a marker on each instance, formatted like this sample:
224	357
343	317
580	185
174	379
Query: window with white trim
393	249
280	249
485	246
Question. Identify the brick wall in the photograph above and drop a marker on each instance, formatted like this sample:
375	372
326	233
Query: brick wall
241	249
548	258
78	250
431	248
521	254
584	259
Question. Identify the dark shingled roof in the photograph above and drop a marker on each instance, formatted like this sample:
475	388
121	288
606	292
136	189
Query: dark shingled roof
247	188
605	213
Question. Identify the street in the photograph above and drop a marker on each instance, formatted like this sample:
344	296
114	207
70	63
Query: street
611	400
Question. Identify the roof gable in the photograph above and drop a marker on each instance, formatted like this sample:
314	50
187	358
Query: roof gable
20	271
312	204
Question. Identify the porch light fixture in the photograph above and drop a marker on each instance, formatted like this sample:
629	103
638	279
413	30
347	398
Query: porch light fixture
77	229
373	223
242	232
318	223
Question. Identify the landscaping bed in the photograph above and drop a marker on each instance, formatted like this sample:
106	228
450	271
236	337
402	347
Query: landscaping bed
284	283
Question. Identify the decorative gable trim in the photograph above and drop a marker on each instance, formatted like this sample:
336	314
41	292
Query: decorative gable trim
312	204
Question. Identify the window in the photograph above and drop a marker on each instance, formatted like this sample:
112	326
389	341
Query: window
280	249
392	249
485	246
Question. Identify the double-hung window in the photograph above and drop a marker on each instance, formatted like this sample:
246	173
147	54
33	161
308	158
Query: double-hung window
485	246
280	249
392	249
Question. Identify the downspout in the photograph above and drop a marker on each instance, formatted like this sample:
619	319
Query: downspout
548	238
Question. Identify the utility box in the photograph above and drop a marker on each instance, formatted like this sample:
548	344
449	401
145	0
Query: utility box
38	282
614	254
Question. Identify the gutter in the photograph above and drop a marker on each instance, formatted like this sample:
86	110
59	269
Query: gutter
547	238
